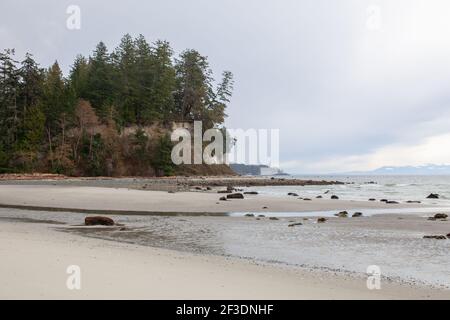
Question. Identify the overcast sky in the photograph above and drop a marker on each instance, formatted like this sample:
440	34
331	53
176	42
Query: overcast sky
351	84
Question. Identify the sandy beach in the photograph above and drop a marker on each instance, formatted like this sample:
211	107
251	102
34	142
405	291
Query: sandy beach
204	253
121	200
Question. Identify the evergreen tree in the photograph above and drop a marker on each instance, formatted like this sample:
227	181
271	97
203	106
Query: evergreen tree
100	90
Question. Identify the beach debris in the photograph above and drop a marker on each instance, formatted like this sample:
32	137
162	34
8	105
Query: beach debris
433	196
235	196
435	237
250	215
251	192
357	215
334	197
274	218
99	221
372	199
342	214
322	220
223	199
292	194
295	224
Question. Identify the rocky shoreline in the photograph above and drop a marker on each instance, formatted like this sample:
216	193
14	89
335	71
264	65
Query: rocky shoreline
178	183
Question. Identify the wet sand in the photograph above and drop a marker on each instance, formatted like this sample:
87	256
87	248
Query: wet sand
35	259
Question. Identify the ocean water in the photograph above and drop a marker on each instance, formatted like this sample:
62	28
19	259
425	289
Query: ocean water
396	188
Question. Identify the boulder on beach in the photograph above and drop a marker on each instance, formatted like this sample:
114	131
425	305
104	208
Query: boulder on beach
321	220
433	196
274	218
295	224
392	202
342	214
292	194
411	201
440	216
224	191
307	199
250	215
223	199
334	197
98	221
357	215
251	193
435	237
384	200
319	197
372	199
235	196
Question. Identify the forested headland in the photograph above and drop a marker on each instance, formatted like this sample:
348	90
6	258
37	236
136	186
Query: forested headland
110	115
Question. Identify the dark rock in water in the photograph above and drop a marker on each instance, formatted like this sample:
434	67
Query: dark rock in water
321	220
198	188
224	191
307	199
327	192
295	224
319	197
433	196
448	236
372	199
357	215
208	188
292	194
334	198
410	201
251	192
431	219
342	214
435	237
250	215
98	221
235	196
223	199
392	202
384	200
261	216
273	218
440	216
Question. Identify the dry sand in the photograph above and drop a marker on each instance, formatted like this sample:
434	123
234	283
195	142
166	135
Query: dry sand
35	259
129	200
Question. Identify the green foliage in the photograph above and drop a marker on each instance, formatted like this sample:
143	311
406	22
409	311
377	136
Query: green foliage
74	124
162	161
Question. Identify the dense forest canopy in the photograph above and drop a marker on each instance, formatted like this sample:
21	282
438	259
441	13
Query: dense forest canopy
75	125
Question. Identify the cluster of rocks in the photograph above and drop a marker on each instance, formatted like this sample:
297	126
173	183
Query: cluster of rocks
344	214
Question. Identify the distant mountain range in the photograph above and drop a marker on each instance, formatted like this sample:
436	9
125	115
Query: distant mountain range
428	169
